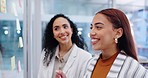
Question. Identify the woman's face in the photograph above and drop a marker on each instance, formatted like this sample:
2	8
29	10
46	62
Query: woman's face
62	31
102	33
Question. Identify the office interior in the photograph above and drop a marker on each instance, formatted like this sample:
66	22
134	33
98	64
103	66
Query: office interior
22	23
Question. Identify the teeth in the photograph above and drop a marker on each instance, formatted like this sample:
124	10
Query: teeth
63	37
94	40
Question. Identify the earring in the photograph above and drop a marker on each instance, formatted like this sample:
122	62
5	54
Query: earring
116	40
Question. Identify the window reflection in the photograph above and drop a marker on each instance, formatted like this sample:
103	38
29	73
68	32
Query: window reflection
11	49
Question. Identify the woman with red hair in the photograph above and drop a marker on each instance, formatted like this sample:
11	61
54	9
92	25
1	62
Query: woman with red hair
111	33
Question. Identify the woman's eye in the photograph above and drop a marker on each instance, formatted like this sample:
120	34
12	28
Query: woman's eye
56	28
65	26
98	27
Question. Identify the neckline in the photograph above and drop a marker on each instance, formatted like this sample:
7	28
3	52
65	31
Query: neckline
108	61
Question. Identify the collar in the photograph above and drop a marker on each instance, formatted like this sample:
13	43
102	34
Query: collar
65	57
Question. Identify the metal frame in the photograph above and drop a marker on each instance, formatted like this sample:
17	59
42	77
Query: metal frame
32	37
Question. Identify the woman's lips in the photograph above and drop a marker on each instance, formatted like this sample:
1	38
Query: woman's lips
63	37
94	41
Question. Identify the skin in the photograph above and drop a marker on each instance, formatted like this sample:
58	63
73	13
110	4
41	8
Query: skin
63	33
103	36
60	74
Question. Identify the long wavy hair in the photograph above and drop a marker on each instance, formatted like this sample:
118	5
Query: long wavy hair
50	43
119	20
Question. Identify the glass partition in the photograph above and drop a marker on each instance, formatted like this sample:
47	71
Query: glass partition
11	39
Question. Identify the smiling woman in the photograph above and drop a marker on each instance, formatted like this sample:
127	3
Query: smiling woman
63	49
111	33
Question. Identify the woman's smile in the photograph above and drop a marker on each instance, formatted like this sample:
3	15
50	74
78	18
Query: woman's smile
94	41
64	37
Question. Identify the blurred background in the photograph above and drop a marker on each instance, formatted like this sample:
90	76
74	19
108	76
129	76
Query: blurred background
22	23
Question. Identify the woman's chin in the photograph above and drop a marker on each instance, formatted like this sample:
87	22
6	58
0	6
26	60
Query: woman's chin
95	48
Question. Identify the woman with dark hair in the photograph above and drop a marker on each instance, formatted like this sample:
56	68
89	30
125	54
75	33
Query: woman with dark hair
111	34
63	49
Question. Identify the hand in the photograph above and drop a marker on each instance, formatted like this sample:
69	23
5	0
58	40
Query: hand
60	74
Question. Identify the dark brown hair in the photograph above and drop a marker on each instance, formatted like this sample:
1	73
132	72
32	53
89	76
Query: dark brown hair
119	20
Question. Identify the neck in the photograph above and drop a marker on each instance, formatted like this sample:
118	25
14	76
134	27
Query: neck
108	53
63	49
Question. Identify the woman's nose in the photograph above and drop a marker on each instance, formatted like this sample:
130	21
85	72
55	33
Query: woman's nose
92	32
62	31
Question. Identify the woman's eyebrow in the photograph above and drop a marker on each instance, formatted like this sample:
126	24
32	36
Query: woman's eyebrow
99	23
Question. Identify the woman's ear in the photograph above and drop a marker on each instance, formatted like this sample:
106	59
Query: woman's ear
119	32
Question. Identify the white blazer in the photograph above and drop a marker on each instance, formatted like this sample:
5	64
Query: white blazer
74	68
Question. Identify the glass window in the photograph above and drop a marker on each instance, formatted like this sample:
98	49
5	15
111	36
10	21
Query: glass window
11	39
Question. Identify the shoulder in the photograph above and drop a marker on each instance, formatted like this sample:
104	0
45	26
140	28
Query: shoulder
128	60
135	63
92	62
42	56
90	66
133	68
81	51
